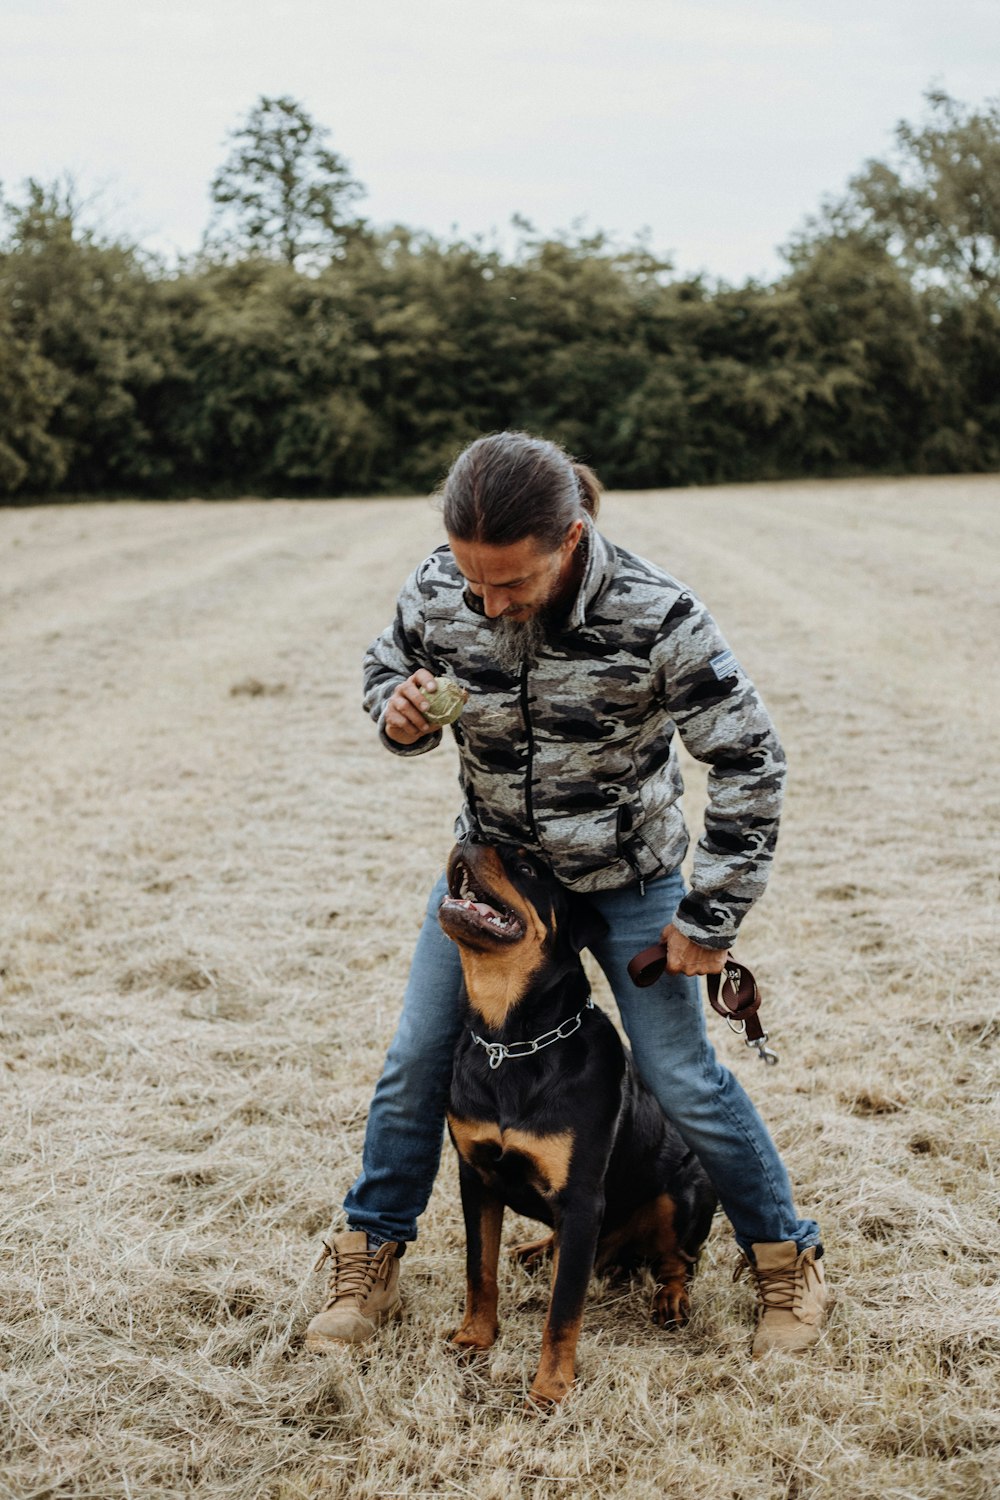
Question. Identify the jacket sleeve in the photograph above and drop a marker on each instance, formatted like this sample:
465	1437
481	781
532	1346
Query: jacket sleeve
392	657
723	722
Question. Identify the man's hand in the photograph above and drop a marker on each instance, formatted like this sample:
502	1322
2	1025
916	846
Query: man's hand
687	957
404	716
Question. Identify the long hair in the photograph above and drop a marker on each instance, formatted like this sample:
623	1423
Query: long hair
510	485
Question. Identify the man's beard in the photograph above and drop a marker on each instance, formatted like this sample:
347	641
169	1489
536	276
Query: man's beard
516	643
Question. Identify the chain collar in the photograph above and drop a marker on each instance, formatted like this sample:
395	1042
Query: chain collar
498	1052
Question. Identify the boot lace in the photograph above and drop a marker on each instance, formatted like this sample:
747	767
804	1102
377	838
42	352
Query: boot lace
352	1274
779	1290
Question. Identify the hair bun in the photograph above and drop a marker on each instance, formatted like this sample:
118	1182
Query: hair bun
590	488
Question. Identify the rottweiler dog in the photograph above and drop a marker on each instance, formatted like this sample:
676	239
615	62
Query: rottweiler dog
549	1116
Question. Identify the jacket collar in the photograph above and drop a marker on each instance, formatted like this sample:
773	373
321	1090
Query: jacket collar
597	573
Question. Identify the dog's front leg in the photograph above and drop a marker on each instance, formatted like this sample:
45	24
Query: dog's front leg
483	1212
578	1228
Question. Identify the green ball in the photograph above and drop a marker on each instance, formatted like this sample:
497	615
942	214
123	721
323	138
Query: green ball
446	702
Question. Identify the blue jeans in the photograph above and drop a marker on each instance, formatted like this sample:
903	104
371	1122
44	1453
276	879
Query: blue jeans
666	1028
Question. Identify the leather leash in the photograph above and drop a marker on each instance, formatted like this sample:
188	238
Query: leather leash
733	994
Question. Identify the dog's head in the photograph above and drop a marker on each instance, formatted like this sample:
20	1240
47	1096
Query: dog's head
505	904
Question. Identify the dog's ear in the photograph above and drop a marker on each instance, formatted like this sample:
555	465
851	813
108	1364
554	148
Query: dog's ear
586	925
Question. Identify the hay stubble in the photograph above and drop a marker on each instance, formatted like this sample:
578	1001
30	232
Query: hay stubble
210	886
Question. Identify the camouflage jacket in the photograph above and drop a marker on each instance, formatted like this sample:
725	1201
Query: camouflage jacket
575	757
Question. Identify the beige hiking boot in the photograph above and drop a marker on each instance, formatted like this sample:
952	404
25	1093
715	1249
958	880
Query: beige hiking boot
364	1291
792	1293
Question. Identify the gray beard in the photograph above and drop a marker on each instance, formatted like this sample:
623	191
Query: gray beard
516	643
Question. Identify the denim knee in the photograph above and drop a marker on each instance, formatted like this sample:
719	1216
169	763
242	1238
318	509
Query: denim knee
417	1059
686	1098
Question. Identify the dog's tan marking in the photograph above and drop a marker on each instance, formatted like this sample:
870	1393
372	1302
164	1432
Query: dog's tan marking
530	1252
468	1134
647	1234
650	1234
479	1327
557	1366
549	1155
496	983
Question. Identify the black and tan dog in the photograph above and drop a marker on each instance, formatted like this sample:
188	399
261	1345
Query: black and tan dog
548	1114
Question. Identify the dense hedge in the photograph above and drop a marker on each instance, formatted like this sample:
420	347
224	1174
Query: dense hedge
119	376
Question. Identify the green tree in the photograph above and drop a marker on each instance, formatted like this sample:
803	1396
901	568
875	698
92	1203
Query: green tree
900	281
85	314
281	192
269	388
935	203
31	459
867	333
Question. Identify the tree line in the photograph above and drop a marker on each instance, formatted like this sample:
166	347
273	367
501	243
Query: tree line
304	352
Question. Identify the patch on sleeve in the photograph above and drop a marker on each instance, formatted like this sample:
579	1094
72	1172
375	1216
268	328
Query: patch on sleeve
724	665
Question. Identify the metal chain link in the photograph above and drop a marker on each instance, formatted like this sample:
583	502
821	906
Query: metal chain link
498	1052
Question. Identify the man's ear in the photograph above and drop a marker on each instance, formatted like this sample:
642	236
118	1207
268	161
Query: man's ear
586	925
573	534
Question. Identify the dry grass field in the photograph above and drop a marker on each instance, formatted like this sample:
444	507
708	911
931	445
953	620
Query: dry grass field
210	884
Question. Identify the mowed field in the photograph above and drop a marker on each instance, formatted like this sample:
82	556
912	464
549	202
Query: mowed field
210	884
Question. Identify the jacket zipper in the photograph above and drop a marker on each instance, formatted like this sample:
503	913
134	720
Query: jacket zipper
529	809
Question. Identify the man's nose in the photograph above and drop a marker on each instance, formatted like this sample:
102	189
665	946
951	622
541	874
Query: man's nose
495	601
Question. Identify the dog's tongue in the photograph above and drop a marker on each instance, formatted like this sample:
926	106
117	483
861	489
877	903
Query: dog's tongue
483	909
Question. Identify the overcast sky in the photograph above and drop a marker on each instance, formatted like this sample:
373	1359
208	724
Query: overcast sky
717	124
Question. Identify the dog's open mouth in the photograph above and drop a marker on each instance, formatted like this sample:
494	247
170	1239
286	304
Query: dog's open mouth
469	910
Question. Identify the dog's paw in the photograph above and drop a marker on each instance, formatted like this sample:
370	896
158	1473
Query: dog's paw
542	1400
531	1253
473	1338
670	1307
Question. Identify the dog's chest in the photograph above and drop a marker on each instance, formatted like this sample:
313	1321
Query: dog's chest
511	1159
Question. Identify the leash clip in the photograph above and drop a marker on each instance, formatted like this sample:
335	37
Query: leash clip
733	993
763	1052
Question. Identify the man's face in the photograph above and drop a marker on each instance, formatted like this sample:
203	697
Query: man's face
517	581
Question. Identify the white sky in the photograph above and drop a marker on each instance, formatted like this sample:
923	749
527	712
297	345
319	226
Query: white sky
719	124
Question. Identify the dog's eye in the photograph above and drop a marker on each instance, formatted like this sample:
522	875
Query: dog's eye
523	868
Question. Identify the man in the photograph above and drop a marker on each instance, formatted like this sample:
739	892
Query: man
581	661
